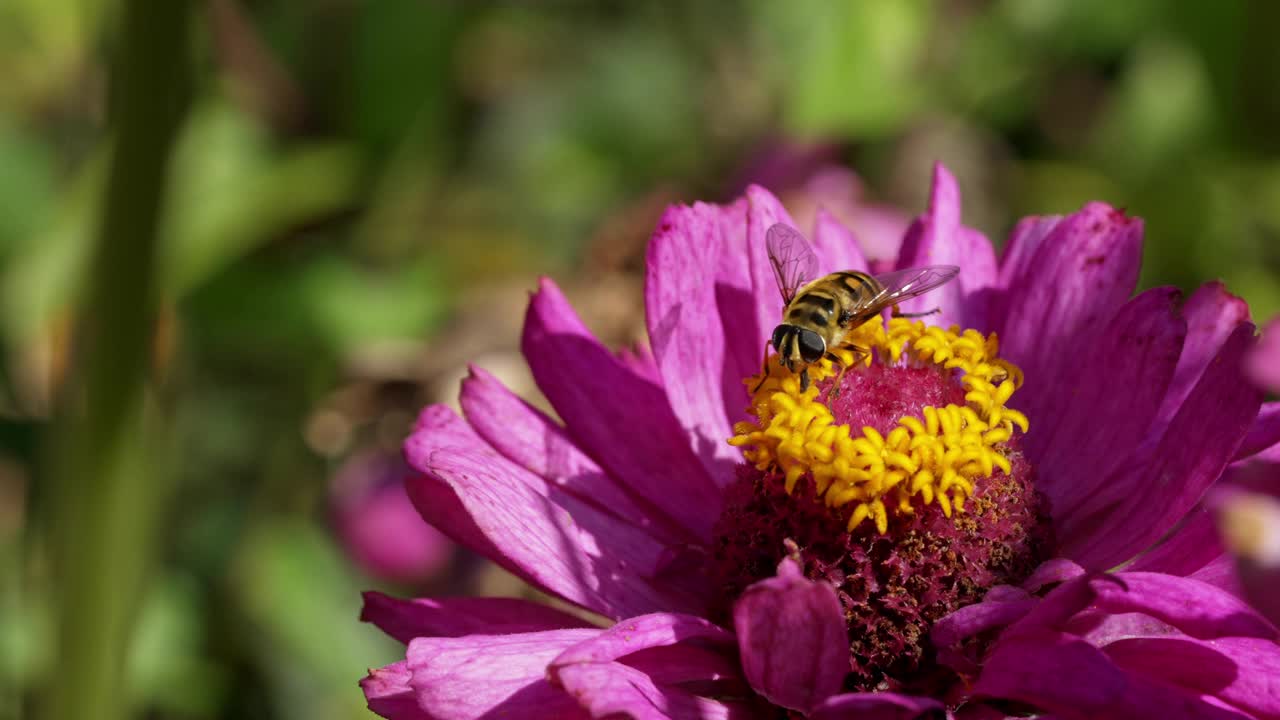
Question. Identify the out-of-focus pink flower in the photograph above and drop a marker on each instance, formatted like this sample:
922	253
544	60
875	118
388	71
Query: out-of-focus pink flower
821	579
808	179
1249	503
1263	364
378	525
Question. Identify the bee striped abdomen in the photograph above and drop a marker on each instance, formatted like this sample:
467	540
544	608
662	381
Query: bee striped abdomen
861	286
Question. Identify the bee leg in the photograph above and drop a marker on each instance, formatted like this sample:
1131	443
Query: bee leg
834	392
804	379
898	313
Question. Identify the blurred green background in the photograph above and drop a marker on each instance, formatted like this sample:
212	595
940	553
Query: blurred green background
361	192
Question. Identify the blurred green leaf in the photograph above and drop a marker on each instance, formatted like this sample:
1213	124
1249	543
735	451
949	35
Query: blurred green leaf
303	603
231	193
168	664
1161	112
850	68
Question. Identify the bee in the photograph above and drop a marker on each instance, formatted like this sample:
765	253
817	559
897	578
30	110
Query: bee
817	314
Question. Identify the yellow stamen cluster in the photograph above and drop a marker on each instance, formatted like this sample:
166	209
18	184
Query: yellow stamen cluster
935	458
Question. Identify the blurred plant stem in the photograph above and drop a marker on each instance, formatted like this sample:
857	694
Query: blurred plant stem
109	494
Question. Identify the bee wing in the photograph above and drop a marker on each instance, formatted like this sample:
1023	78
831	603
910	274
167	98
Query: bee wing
906	284
794	262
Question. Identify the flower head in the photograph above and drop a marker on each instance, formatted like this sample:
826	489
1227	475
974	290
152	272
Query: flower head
993	510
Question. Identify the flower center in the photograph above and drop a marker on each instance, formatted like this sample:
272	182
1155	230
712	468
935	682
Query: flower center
899	480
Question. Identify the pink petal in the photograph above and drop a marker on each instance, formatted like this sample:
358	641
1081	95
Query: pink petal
1263	364
1052	572
650	666
949	632
1221	572
1101	628
1121	376
531	439
1243	672
685	330
1212	315
1140	504
1070	678
1189	548
616	690
1080	273
647	631
740	311
940	239
486	676
1264	433
620	419
877	706
1193	607
388	693
791	633
405	620
544	535
836	245
763	212
1024	242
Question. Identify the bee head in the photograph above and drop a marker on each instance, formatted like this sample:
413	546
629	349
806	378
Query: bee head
796	345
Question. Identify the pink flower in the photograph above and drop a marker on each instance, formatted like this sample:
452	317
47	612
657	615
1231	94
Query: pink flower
378	525
1248	504
941	560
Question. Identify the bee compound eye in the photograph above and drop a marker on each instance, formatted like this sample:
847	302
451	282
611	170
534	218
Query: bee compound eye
779	337
812	346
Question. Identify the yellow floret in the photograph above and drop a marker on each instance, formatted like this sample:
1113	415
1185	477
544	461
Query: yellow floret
933	458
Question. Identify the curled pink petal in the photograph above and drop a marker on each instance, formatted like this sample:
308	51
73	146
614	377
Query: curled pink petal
405	620
949	632
646	631
878	706
614	689
791	634
655	666
1052	572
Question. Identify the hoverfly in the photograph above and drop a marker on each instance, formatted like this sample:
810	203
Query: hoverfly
817	314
